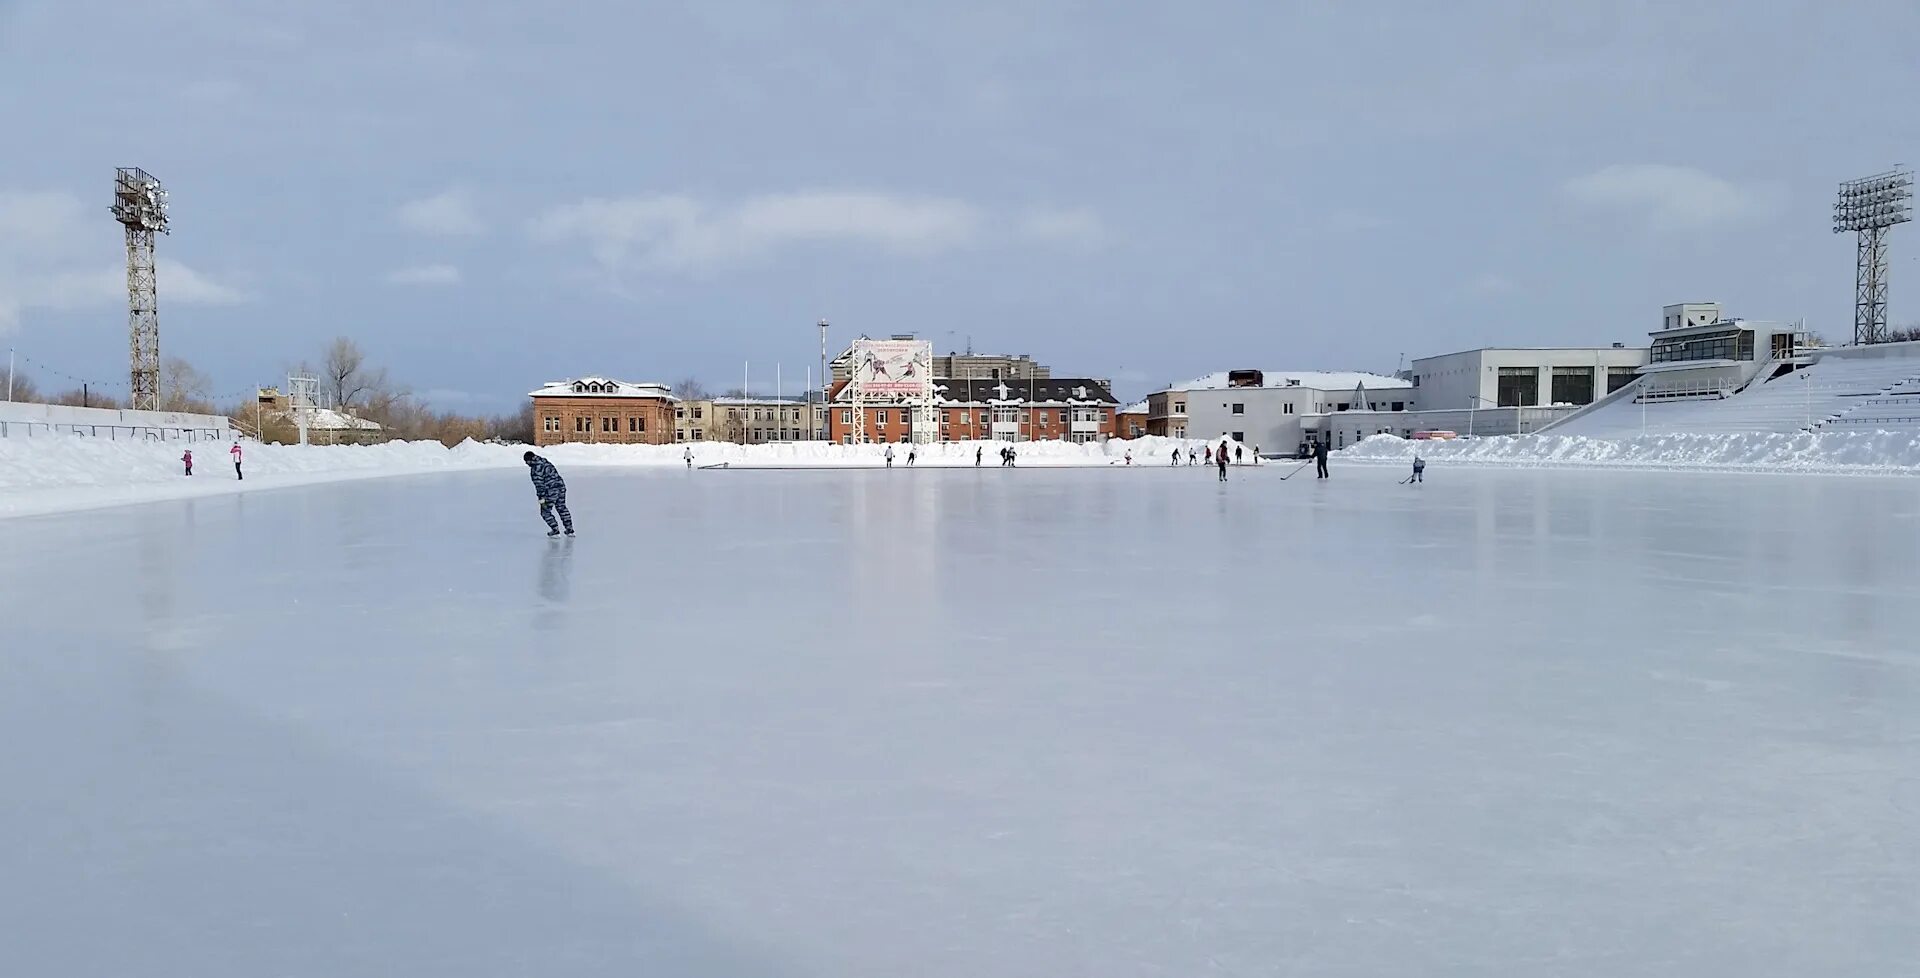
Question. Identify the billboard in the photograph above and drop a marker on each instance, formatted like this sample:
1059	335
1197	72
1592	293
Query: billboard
896	368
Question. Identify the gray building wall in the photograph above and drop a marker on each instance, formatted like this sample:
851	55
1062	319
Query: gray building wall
1456	380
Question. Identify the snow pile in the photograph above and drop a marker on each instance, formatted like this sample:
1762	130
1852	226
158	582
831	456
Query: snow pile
1879	451
68	472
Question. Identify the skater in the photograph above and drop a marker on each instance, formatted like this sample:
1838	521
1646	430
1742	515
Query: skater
689	458
1320	459
1175	457
552	491
889	456
1193	457
1013	458
1419	469
912	453
1209	453
1221	458
1003	457
978	452
187	459
1129	456
1236	455
236	453
1256	454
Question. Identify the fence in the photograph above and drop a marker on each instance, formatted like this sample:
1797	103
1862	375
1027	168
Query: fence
21	420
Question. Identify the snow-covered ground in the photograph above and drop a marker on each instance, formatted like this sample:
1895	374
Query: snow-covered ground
50	474
1056	722
1877	452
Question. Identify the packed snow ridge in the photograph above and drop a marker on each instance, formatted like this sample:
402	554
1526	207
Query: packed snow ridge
61	473
1861	452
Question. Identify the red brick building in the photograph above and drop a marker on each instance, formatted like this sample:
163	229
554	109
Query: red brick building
602	411
1060	408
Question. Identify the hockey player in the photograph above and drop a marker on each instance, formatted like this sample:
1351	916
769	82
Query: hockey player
689	457
889	456
552	491
1320	459
1419	469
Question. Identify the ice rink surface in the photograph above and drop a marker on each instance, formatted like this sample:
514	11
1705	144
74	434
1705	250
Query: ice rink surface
1101	722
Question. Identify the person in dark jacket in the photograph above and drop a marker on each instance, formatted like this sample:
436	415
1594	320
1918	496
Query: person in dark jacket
1220	457
1320	459
1419	470
552	491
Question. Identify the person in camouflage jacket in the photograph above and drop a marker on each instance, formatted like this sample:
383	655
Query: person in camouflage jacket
552	491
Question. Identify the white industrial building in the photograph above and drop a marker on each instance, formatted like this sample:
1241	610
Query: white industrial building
1276	411
1518	377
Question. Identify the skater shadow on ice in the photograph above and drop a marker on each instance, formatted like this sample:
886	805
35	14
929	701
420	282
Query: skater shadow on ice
178	834
556	582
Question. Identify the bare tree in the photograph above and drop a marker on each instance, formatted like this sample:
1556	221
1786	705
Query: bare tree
347	379
690	389
183	387
24	389
82	397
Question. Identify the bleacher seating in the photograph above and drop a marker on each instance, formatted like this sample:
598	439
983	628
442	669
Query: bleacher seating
1881	390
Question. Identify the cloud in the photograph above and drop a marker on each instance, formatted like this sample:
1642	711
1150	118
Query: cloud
676	233
49	243
437	274
1076	226
1675	198
450	215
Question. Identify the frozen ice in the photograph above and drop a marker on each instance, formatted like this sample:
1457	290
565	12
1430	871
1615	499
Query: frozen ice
1100	721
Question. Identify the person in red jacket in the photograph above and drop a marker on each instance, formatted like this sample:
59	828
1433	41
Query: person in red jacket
236	453
187	460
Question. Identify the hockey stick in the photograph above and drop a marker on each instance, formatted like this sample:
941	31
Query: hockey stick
1295	472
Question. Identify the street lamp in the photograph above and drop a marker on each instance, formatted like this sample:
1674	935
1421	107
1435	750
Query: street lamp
1473	406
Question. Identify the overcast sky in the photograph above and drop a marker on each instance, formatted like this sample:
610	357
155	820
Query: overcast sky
489	195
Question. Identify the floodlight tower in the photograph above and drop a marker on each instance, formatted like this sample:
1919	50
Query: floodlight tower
1870	206
140	203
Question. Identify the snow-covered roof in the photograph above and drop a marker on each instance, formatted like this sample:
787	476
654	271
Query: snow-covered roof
602	387
763	401
327	419
1137	407
1321	380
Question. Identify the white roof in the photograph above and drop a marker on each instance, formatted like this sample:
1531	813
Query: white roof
763	401
1138	407
327	419
1320	380
602	387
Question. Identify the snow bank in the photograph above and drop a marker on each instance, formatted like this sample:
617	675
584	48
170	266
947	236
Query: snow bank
1876	452
69	472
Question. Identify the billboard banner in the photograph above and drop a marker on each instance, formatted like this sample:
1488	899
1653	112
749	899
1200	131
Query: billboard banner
902	368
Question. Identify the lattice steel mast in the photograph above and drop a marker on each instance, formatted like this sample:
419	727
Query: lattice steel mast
1870	206
140	204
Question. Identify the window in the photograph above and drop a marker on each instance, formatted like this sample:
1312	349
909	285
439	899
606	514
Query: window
1399	405
553	422
882	417
580	424
1239	436
1179	407
1043	417
1343	405
1618	377
699	435
680	412
1416	380
1518	387
1286	408
846	416
697	409
679	434
1573	385
637	423
1239	409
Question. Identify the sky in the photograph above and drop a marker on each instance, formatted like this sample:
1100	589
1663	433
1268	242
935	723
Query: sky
491	195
